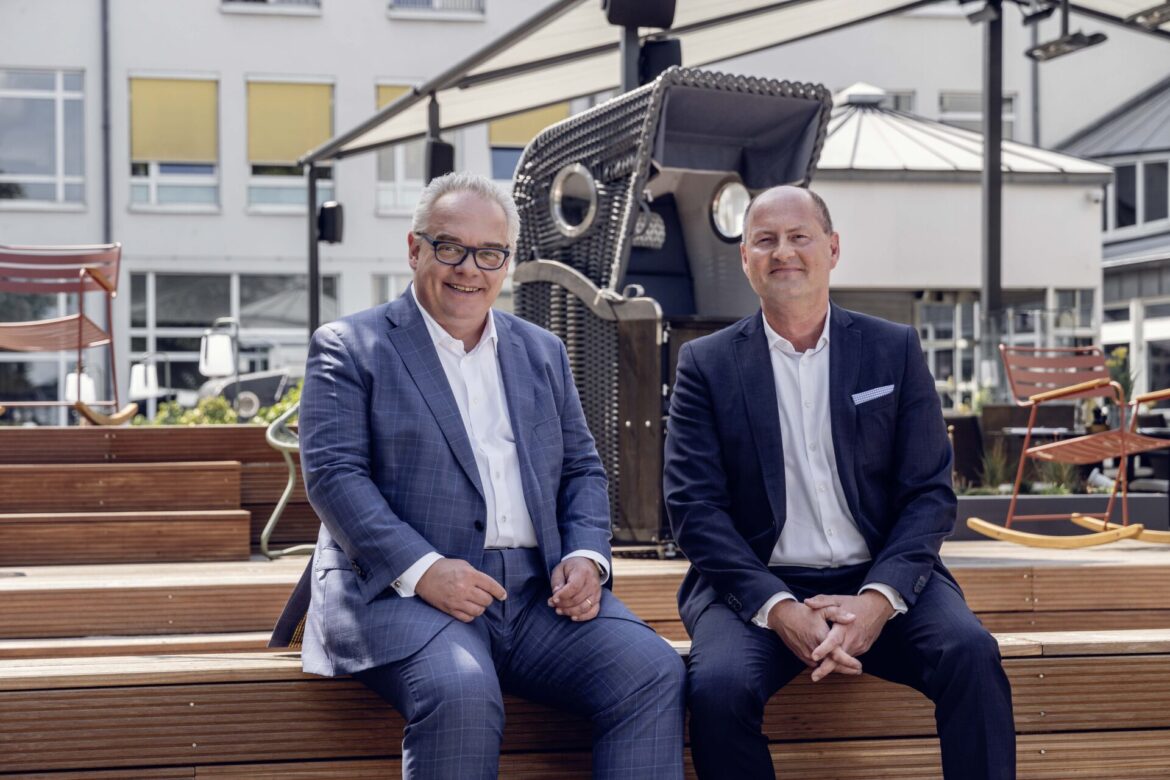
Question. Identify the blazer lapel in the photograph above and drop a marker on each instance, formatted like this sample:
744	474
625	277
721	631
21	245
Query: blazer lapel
845	357
409	335
759	395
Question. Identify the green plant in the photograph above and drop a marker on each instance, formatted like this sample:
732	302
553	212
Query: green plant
1119	371
1060	478
995	469
209	411
268	414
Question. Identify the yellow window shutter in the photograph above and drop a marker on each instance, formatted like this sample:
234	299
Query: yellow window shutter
173	120
286	120
388	93
518	130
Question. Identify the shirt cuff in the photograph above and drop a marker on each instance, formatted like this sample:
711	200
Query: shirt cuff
406	583
892	596
597	558
761	617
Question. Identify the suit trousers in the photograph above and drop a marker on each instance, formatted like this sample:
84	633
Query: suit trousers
616	672
938	647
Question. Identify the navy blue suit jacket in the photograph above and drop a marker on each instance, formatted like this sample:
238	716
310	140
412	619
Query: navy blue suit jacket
724	476
389	469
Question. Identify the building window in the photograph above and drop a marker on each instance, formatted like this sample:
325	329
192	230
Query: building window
509	136
442	6
401	167
42	136
285	121
1156	181
899	100
281	4
169	312
965	110
1139	195
174	144
39	376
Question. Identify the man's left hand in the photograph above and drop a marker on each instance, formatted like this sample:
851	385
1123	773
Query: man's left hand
576	589
872	610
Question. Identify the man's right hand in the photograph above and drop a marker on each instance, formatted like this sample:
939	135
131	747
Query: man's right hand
454	586
803	629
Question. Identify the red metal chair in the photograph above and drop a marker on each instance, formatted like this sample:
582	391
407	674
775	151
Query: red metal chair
75	270
1047	374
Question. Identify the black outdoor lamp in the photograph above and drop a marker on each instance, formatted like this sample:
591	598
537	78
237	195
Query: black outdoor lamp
1151	18
1067	43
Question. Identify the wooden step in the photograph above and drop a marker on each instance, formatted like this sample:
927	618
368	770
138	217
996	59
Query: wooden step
95	647
1099	588
119	487
1078	698
49	539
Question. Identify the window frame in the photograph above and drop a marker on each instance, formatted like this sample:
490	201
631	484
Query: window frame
155	178
59	178
1008	118
1140	226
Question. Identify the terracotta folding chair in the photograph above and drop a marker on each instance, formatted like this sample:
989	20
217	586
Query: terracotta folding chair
77	270
1044	375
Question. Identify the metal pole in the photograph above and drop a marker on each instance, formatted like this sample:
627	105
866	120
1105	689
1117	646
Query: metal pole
630	49
433	127
314	248
991	295
1035	66
107	186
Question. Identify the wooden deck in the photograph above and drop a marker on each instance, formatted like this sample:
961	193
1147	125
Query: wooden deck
1086	705
1012	589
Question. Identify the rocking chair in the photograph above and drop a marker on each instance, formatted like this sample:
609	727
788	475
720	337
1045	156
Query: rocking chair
77	270
1042	375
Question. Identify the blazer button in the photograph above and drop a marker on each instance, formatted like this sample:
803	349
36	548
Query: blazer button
479	525
357	569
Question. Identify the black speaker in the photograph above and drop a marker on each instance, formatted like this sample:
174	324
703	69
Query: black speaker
639	13
657	55
440	158
330	222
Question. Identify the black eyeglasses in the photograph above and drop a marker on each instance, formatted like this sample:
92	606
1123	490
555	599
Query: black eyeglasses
487	258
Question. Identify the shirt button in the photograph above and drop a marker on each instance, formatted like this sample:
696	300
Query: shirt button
830	532
821	488
808	404
503	518
813	446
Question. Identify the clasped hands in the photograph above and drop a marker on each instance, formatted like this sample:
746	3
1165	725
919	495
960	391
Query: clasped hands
829	633
454	586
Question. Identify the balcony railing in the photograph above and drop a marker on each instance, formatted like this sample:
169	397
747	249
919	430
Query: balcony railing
300	3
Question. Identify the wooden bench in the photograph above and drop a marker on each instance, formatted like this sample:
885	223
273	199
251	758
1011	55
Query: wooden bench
1011	588
1086	704
109	511
262	470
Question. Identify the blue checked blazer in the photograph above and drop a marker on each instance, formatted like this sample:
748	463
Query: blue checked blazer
389	468
724	476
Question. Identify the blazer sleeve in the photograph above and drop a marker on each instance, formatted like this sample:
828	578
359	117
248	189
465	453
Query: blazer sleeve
698	501
582	495
335	457
922	500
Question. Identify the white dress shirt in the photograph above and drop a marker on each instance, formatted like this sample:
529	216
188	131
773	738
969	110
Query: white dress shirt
819	530
478	388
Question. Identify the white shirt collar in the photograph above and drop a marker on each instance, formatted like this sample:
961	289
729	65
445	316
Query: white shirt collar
442	338
776	341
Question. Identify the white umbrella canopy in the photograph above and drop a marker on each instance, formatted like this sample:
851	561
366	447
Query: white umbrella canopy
569	50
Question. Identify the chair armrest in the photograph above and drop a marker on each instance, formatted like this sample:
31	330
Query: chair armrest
1063	392
99	277
1157	395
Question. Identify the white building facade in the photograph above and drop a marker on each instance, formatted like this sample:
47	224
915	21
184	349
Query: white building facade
209	101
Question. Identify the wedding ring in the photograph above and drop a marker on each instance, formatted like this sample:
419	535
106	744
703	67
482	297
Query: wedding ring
589	601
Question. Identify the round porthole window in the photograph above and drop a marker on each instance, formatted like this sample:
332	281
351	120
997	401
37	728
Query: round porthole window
574	200
727	209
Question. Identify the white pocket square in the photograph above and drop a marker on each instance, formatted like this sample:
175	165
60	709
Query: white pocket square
869	395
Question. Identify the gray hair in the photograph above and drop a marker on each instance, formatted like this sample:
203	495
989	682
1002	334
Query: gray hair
462	181
823	215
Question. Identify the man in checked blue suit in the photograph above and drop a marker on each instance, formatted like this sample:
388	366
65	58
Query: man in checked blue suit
465	520
808	480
